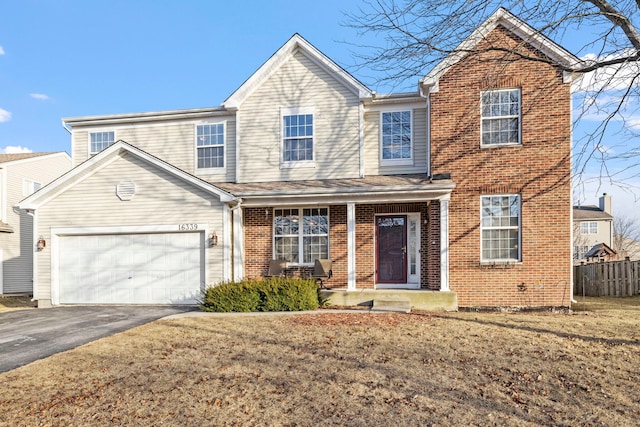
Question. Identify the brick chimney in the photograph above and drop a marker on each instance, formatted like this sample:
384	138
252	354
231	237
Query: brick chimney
605	203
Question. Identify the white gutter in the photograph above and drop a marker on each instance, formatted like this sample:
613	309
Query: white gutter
64	125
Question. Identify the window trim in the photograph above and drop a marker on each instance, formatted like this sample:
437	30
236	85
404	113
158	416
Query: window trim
396	162
31	186
212	170
507	144
294	111
484	260
589	225
301	234
93	153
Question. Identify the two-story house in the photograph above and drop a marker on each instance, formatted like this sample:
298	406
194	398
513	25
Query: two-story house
452	188
22	174
593	227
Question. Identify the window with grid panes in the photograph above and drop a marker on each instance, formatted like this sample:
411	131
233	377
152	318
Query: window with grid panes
500	228
500	121
301	235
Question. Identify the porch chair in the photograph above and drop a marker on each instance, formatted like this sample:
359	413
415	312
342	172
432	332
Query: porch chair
322	270
276	268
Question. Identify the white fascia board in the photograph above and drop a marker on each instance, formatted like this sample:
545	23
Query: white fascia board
294	44
344	198
512	23
100	161
128	118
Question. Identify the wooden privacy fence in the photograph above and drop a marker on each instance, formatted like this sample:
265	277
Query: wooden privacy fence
611	278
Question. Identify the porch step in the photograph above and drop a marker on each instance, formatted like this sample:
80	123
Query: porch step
398	305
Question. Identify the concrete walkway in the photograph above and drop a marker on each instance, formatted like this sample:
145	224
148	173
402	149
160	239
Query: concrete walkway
30	335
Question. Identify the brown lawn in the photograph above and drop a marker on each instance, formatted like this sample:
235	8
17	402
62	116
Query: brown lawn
352	369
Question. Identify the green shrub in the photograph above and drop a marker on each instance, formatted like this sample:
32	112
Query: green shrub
276	294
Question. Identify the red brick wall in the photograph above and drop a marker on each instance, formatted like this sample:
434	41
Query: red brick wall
538	170
259	246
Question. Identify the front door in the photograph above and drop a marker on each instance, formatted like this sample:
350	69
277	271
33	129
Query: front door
391	249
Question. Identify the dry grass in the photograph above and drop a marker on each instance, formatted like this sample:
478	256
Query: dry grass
10	303
345	369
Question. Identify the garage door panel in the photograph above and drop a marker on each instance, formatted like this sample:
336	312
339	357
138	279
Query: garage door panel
162	268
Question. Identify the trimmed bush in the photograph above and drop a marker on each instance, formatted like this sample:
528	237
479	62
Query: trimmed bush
276	294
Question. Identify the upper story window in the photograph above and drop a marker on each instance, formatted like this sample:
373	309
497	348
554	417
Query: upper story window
210	145
98	141
589	227
500	227
396	147
301	235
297	137
29	187
500	117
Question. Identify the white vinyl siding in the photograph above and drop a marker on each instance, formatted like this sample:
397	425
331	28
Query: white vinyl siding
18	247
373	156
29	187
161	199
300	82
500	222
172	142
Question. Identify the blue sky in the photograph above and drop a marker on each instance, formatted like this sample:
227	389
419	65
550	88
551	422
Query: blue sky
76	58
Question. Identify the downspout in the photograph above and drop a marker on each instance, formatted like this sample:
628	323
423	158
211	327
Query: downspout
427	97
34	261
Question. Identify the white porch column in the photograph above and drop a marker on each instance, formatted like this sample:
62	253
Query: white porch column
444	244
238	244
351	246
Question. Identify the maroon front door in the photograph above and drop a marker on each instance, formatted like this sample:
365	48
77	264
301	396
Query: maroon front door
391	249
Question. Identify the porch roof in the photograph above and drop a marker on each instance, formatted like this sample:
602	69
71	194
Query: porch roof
370	189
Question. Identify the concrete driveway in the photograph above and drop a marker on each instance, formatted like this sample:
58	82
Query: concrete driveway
29	335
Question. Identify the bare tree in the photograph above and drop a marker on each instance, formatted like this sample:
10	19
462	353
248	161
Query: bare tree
626	237
415	35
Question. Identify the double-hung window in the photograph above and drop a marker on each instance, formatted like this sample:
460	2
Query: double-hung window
301	235
500	117
210	145
297	136
500	222
589	227
396	138
98	141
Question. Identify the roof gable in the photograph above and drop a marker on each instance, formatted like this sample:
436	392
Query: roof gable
295	44
501	17
104	158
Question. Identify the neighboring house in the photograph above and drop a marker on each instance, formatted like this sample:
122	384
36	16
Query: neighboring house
452	188
592	225
21	175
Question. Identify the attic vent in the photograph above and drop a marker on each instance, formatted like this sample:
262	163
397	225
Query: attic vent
126	189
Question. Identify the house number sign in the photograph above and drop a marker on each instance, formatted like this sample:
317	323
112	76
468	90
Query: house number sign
187	227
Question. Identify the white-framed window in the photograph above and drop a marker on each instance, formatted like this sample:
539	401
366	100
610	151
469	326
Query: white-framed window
210	145
396	138
500	122
29	187
500	222
297	136
301	235
98	141
579	251
589	227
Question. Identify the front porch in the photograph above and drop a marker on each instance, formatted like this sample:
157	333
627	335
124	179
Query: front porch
417	299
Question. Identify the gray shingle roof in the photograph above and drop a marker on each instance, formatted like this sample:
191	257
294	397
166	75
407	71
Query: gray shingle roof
583	213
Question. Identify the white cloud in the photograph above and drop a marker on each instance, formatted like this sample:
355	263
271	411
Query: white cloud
1	51
5	116
40	96
10	149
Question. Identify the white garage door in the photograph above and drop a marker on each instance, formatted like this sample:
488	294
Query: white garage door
163	268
